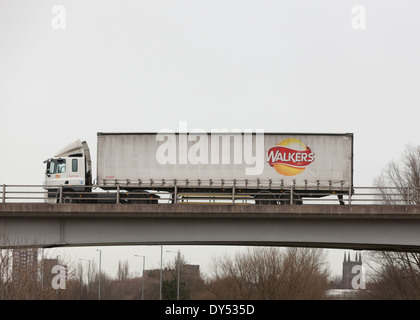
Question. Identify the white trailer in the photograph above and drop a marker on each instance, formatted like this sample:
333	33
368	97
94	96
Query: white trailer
266	167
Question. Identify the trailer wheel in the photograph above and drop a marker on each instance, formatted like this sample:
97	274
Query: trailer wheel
284	199
142	197
137	200
265	197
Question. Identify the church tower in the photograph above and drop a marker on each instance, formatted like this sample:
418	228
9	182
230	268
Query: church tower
348	265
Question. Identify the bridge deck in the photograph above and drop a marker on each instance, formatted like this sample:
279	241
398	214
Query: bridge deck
372	227
328	211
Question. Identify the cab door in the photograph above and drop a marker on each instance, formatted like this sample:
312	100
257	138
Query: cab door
76	171
56	173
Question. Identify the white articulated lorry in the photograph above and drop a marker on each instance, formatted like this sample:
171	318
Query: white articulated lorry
265	168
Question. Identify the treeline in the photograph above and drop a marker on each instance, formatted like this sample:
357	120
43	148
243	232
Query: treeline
260	273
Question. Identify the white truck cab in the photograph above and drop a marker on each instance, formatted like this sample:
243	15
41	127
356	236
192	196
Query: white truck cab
70	168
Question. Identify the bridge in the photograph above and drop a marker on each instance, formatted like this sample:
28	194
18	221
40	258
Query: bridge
350	226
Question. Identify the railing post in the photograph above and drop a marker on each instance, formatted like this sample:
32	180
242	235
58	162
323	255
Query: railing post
408	195
4	193
233	195
291	195
118	193
175	201
61	194
350	194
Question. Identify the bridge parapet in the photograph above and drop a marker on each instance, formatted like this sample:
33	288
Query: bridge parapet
285	196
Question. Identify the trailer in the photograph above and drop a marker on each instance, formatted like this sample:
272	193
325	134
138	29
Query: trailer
151	167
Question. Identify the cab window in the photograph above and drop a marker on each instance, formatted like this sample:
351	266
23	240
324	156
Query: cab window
74	165
57	166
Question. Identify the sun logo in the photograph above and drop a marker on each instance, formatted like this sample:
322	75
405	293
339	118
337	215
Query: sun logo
290	157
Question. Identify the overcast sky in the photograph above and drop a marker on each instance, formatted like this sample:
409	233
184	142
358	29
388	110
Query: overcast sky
134	66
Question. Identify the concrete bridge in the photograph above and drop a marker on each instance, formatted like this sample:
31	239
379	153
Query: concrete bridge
359	227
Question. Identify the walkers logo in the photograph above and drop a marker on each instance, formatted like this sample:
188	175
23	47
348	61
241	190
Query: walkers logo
290	157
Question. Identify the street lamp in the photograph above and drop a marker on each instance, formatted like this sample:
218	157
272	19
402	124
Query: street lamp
88	276
179	268
142	276
99	289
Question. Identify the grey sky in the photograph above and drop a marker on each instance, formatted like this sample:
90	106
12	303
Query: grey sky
132	66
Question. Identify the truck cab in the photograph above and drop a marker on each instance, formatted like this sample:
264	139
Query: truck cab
69	169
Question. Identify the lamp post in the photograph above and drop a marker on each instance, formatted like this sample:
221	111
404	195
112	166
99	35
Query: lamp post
142	276
88	276
99	289
178	258
81	281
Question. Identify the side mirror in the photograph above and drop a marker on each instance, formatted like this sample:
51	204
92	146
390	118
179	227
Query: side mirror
47	172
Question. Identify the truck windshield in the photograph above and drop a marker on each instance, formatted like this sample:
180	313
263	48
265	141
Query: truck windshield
57	166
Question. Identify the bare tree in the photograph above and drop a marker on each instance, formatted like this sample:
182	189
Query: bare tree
399	182
24	273
190	280
396	275
306	273
106	285
269	273
122	272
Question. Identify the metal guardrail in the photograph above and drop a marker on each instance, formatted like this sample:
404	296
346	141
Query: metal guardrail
288	195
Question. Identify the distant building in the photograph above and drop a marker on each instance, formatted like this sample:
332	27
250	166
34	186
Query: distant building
348	272
187	270
192	270
24	263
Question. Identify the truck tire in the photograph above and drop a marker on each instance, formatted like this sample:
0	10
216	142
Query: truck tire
141	197
69	197
284	199
265	197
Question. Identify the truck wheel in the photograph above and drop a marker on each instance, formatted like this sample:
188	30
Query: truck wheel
265	197
67	199
69	196
284	199
140	197
135	197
